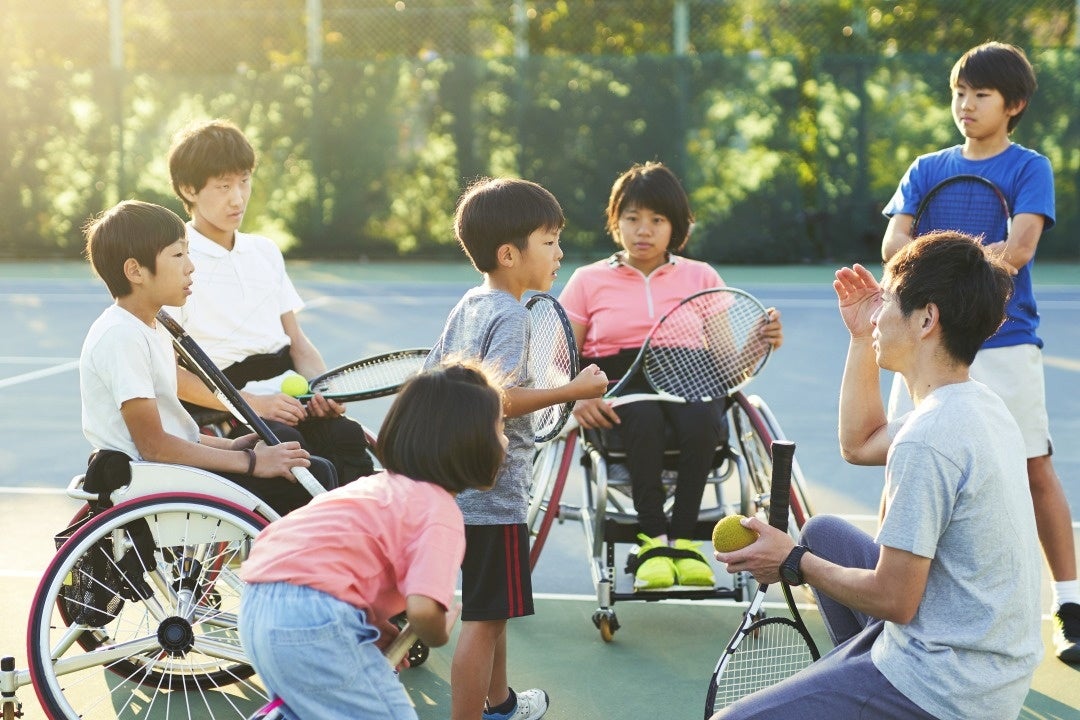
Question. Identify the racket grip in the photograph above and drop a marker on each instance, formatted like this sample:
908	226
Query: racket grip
305	478
399	648
783	453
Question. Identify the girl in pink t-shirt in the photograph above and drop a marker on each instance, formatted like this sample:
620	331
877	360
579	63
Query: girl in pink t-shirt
612	304
324	581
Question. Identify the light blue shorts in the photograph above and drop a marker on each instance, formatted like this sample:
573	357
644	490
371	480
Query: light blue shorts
318	654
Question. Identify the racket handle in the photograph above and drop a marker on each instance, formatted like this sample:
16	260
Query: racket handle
305	478
783	453
399	648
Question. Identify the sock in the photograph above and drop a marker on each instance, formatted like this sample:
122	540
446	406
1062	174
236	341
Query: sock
1065	592
506	706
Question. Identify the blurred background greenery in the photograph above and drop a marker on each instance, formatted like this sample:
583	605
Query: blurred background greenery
790	121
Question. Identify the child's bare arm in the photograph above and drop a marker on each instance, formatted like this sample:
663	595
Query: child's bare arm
589	383
430	620
144	423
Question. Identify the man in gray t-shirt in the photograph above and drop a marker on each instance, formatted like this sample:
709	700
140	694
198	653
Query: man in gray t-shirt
938	616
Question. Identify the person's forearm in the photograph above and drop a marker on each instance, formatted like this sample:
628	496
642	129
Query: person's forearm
862	413
858	589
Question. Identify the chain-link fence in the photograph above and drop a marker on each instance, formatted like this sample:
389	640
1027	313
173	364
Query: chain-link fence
790	121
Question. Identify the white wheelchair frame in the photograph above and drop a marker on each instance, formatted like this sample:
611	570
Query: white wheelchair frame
606	509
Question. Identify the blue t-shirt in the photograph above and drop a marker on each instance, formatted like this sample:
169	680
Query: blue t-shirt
1027	181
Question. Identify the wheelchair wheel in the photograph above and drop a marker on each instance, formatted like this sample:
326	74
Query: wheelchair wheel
754	437
551	466
148	591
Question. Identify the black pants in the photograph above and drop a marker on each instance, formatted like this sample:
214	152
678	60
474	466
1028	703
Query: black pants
644	429
285	495
340	440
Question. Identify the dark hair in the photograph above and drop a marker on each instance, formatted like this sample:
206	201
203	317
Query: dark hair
131	229
207	150
654	187
954	272
997	66
495	211
443	428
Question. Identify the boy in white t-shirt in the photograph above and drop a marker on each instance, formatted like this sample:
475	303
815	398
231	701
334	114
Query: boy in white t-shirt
243	306
128	371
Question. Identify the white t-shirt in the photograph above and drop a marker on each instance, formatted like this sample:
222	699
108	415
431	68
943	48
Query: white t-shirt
237	297
122	358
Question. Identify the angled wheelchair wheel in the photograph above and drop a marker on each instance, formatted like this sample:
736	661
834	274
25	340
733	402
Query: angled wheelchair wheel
754	436
136	614
551	466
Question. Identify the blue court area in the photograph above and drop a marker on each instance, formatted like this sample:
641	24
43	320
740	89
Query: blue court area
660	661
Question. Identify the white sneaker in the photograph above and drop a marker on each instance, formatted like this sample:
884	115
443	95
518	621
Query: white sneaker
531	705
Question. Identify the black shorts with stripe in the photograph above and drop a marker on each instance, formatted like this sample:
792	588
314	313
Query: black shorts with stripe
495	580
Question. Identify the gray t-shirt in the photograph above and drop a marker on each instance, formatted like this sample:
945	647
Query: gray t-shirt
493	326
957	492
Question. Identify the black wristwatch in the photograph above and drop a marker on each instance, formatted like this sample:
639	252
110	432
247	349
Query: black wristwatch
789	569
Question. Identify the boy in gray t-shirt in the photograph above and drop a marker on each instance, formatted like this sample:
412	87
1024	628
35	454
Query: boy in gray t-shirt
510	230
939	616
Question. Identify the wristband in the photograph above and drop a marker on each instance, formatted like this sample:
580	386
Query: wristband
251	460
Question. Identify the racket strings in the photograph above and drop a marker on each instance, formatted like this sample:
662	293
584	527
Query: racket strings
776	652
383	372
551	361
707	347
967	206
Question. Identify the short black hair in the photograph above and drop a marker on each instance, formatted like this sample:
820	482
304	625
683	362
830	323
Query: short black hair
998	66
495	211
954	272
131	229
207	150
443	428
652	186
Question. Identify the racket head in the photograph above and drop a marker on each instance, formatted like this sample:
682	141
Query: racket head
760	655
553	361
970	204
367	378
708	346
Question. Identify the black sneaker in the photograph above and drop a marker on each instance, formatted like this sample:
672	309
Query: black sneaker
1067	632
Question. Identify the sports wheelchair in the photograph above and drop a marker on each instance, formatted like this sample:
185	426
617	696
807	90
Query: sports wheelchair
145	584
739	482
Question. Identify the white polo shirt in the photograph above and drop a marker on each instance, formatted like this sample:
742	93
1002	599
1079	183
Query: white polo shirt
237	297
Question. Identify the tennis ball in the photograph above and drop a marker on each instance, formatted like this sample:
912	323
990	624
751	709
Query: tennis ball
294	385
729	535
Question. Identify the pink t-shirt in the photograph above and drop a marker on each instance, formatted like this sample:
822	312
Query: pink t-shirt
370	544
618	304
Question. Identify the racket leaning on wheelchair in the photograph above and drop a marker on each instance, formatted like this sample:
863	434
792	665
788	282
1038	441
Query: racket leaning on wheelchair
764	651
966	203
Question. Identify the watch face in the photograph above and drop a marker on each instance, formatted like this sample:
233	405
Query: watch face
790	576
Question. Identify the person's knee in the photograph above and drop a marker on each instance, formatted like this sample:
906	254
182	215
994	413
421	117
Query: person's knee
324	472
820	530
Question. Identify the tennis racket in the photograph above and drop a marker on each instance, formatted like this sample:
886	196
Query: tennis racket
705	348
368	378
200	363
764	651
967	203
553	361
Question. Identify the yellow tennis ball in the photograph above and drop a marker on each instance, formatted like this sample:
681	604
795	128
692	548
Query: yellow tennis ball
294	385
729	535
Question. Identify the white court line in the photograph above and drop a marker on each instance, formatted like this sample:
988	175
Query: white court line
1061	363
19	360
45	372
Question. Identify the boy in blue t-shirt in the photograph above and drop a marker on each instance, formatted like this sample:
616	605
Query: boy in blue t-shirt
992	85
510	231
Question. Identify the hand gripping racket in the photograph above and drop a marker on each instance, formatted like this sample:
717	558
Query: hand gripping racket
368	378
705	348
967	203
764	651
553	360
200	363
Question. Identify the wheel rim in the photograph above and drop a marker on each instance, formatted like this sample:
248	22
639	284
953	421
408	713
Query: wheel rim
173	650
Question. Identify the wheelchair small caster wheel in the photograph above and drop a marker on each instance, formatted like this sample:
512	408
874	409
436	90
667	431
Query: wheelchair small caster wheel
606	623
418	653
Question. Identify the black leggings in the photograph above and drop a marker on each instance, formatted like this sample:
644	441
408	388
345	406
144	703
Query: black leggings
698	429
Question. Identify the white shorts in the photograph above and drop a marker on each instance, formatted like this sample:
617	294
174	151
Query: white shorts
1016	374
